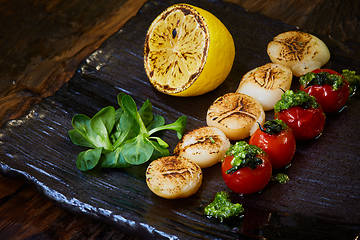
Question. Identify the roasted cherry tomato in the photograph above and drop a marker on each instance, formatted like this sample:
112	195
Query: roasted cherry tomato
301	113
246	171
277	140
329	88
305	123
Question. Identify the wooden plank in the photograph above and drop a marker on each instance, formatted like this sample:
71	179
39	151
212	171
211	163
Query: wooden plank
43	42
27	214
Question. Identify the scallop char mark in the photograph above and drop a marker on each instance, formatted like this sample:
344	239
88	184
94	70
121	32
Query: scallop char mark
201	138
233	106
269	76
205	146
175	171
301	52
176	168
235	114
295	45
173	177
266	84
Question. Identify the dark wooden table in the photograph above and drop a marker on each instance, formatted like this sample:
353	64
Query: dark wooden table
41	45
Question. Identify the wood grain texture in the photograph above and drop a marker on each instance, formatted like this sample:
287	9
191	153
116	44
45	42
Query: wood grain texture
339	20
302	209
43	42
41	45
27	214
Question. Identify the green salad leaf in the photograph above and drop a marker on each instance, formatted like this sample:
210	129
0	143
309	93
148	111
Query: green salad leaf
121	137
137	150
88	159
114	159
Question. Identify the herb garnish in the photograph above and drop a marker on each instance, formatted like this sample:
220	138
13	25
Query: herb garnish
222	208
245	155
281	178
352	79
291	99
321	78
123	137
273	127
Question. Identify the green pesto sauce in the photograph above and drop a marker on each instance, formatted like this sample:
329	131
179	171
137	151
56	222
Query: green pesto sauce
245	155
273	127
322	78
352	79
281	178
291	99
222	208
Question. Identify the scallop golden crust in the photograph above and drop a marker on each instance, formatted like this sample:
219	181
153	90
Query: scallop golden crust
205	146
266	83
173	177
236	114
301	52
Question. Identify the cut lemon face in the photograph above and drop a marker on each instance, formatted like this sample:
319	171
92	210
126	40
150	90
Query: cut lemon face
188	51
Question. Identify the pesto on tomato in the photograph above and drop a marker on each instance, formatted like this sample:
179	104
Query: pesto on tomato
301	113
291	99
277	140
246	168
330	88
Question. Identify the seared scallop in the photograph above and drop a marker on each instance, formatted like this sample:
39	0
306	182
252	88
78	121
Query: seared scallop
236	114
301	52
173	177
266	84
205	146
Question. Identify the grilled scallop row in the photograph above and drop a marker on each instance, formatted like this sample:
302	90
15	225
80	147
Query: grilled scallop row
180	176
292	53
235	116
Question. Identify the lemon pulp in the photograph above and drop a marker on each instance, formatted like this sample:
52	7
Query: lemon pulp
188	51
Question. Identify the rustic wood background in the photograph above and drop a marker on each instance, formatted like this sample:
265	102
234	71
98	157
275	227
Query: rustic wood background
42	42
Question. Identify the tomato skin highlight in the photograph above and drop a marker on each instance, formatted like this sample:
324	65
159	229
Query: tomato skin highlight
247	180
305	123
280	147
326	70
330	100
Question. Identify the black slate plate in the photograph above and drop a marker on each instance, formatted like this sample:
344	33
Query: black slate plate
320	202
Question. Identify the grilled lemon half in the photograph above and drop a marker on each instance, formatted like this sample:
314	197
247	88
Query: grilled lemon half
188	51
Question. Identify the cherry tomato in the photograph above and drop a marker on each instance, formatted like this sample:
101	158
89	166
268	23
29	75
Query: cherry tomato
330	100
305	123
279	146
247	180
